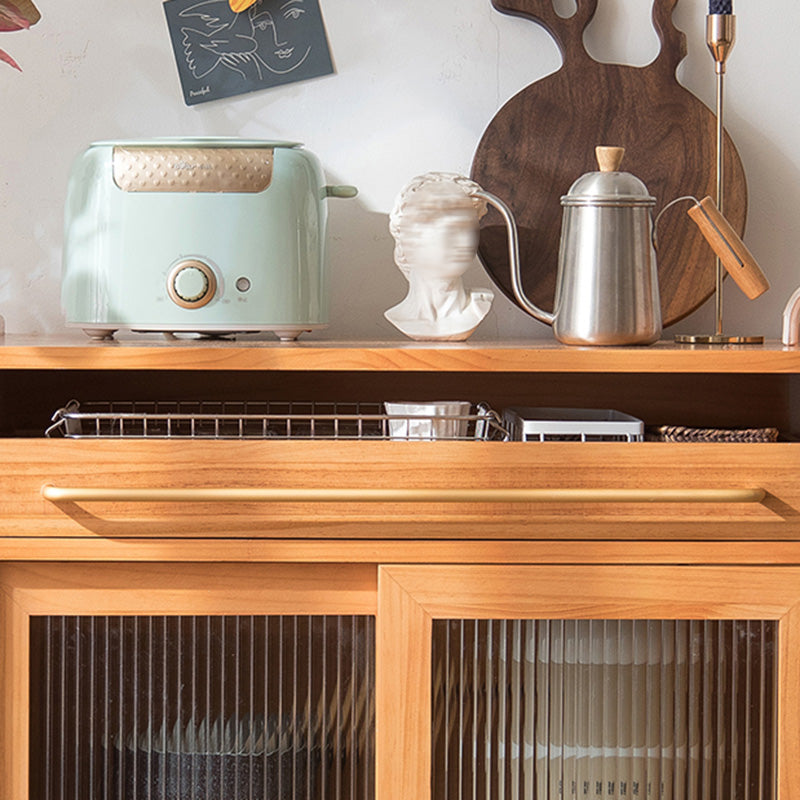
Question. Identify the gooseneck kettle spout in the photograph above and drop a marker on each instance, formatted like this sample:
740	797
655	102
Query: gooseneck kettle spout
513	257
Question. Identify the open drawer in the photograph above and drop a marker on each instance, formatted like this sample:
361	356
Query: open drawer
397	490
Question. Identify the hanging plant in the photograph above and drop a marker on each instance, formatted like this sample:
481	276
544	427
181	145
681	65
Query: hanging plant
16	16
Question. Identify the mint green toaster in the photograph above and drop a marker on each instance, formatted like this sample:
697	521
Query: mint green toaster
208	236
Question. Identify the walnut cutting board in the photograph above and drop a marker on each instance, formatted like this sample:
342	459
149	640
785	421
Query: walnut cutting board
544	137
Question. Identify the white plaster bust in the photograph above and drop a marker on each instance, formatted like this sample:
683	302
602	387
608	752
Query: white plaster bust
435	227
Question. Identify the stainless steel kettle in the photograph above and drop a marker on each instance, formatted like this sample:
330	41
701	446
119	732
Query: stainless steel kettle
607	281
607	284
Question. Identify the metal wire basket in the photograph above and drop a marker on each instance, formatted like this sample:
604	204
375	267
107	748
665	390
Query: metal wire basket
259	420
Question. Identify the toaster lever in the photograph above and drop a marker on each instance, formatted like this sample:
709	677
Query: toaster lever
340	191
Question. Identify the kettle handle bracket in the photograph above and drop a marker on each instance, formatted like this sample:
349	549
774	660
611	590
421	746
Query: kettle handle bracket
666	208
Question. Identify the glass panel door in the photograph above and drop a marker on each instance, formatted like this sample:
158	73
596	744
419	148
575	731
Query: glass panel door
188	708
576	709
153	681
588	682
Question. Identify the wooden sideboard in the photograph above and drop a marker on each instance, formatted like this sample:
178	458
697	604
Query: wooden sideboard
406	557
662	384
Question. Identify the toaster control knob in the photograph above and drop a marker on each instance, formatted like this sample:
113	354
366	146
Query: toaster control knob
191	284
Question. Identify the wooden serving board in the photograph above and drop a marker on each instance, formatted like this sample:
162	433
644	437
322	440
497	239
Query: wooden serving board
544	137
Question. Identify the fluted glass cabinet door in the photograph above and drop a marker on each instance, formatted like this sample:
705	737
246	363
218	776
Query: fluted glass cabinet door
588	683
245	706
187	681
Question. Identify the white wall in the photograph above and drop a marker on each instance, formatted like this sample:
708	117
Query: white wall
417	82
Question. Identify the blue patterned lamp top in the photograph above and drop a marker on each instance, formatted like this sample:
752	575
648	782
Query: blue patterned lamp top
720	6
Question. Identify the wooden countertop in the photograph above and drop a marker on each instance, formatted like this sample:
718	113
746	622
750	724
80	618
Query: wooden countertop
132	352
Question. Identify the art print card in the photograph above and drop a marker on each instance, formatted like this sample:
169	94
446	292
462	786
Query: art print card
221	53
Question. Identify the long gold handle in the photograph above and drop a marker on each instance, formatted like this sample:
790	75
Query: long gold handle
262	495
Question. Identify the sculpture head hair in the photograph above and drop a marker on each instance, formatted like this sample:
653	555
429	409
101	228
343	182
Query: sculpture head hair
425	199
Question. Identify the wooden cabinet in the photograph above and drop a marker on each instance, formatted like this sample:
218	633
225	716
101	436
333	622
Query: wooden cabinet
701	531
560	492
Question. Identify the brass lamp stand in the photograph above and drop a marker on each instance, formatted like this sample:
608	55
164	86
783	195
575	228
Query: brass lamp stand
720	37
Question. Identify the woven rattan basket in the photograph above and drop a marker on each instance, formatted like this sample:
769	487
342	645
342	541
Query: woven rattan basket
680	433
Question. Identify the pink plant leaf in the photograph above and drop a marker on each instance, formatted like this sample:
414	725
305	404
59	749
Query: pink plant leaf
9	21
17	15
7	58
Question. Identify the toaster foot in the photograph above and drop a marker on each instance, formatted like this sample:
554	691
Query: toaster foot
289	335
100	334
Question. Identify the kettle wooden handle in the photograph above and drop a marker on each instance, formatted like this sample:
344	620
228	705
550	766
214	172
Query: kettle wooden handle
730	249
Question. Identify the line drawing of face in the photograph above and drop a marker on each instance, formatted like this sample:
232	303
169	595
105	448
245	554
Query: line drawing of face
281	34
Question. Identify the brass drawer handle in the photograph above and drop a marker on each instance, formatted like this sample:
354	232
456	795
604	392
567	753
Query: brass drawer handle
262	495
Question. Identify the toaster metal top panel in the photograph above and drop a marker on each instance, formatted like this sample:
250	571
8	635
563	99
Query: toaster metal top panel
197	141
192	169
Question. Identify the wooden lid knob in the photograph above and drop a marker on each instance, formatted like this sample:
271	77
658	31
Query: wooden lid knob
609	158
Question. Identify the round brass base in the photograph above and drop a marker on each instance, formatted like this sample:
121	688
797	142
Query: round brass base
716	338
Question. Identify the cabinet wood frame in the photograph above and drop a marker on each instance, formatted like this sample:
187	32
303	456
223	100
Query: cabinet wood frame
411	597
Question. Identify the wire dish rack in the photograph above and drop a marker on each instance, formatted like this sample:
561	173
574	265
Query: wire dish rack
267	420
572	425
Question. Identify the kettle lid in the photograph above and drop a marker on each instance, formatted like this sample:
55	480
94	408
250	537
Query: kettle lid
609	186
